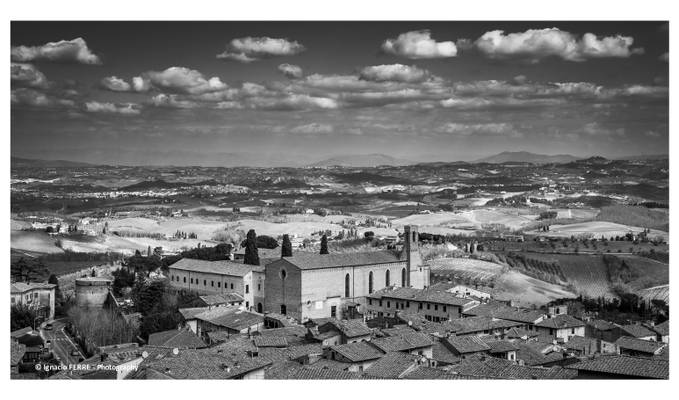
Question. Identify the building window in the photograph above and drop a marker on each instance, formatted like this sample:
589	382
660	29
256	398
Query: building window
204	282
231	285
428	306
388	304
260	308
444	309
284	309
386	278
247	305
284	274
380	303
370	302
247	288
347	285
407	304
259	287
436	307
184	279
370	283
403	277
419	306
333	311
219	284
191	280
212	283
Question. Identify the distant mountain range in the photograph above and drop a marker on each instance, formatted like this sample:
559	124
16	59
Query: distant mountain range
361	160
18	162
524	156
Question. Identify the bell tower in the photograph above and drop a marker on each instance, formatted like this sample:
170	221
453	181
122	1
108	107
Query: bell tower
412	250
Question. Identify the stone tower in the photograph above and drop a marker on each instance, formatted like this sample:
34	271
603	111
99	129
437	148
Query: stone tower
412	250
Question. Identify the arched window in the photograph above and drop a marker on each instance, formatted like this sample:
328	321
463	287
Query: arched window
260	308
386	278
403	277
283	274
347	289
370	282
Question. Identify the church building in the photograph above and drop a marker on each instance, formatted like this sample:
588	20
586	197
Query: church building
311	285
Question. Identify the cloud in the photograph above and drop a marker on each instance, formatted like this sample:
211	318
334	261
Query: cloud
293	102
31	97
536	44
313	127
172	101
139	84
111	108
182	80
249	49
418	45
70	51
28	75
472	129
665	57
596	129
394	72
291	71
115	84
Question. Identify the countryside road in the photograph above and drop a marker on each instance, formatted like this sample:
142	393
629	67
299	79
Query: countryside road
60	343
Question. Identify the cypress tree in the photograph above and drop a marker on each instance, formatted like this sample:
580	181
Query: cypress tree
251	255
286	248
324	244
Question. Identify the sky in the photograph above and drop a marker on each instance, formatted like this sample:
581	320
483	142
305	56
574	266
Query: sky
294	93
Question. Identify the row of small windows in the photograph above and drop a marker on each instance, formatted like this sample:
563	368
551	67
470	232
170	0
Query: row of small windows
403	306
212	283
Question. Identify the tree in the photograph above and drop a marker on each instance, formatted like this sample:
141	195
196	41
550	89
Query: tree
369	235
251	254
324	244
21	317
266	242
28	270
122	278
286	249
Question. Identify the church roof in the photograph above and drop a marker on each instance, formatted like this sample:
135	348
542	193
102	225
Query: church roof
221	267
305	261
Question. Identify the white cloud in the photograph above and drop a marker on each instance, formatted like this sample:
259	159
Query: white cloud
419	44
31	97
249	49
115	84
183	80
394	72
139	84
75	50
313	127
472	129
28	75
536	44
596	129
291	71
293	102
172	101
111	108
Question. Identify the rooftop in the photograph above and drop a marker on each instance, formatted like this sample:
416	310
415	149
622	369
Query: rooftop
495	368
393	365
467	344
601	324
637	330
221	267
502	311
561	321
225	298
23	287
308	260
350	328
640	345
358	351
176	338
403	342
662	329
625	365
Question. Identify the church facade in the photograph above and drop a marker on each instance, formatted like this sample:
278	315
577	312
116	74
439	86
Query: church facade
310	285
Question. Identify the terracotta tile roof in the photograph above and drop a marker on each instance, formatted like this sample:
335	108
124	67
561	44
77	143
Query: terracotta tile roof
423	295
350	328
270	341
295	352
467	344
500	346
230	317
625	365
600	324
640	345
443	354
221	267
581	343
190	313
429	373
332	364
179	338
404	342
637	330
358	351
393	365
502	311
662	329
305	261
495	368
294	335
518	333
561	321
469	325
205	364
292	370
218	299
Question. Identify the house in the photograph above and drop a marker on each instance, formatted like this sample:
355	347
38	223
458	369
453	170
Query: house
341	332
222	277
275	320
636	331
586	346
358	355
229	319
466	346
39	297
621	367
482	326
468	291
176	338
600	329
630	346
561	326
663	331
435	305
534	353
311	285
407	342
502	349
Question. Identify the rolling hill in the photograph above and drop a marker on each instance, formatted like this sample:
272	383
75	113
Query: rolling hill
18	162
524	156
361	160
